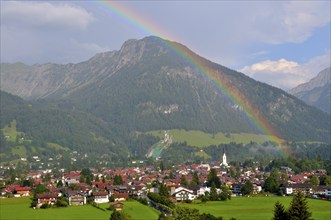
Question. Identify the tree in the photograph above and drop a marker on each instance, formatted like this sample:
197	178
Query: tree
116	215
279	212
225	194
88	180
314	181
103	179
163	217
118	180
81	179
163	191
59	184
40	188
299	209
271	185
47	177
325	180
61	202
213	178
86	172
195	179
162	168
247	189
183	181
213	196
96	178
184	213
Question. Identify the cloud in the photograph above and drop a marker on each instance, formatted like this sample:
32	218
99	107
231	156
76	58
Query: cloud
288	21
92	48
44	15
287	74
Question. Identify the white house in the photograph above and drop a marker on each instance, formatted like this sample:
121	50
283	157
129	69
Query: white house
288	190
101	197
182	193
202	191
328	192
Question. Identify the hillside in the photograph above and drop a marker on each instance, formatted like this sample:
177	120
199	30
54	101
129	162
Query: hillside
147	85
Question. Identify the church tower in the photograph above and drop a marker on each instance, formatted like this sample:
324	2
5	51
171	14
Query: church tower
224	162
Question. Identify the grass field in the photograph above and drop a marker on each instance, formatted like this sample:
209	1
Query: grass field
18	208
242	208
255	208
10	131
202	139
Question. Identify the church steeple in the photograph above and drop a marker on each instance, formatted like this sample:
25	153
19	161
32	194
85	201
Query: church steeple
224	162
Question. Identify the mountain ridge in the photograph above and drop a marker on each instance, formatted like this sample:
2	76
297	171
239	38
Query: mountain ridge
316	92
147	86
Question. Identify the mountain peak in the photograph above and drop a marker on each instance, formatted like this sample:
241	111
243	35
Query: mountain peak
323	78
316	92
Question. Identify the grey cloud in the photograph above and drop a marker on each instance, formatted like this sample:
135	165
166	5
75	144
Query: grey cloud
44	15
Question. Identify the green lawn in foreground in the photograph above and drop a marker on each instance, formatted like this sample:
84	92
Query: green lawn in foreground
241	208
255	208
18	208
202	139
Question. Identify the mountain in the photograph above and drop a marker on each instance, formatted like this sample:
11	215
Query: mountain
147	85
316	92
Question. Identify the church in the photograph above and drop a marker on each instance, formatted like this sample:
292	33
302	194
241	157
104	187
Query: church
224	162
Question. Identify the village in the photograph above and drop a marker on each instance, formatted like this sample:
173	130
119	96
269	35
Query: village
183	183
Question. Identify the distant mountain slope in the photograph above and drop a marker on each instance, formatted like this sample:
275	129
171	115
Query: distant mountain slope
316	92
42	123
146	86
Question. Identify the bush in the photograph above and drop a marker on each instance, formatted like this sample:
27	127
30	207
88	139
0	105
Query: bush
33	203
45	206
204	198
61	202
112	198
143	201
111	208
89	200
188	201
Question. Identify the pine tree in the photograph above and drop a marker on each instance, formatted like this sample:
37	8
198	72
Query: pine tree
213	196
163	191
299	209
213	178
280	212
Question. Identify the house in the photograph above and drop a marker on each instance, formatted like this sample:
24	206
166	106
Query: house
203	190
76	198
287	189
182	194
100	197
305	188
256	188
117	205
22	191
328	192
46	198
236	188
121	193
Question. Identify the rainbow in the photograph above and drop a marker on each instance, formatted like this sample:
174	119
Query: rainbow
217	81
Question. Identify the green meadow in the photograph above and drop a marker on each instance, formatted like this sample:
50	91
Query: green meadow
202	139
253	208
242	208
18	208
10	132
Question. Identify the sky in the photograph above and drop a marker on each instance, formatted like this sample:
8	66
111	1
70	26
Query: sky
282	43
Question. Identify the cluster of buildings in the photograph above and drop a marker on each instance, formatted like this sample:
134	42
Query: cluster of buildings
138	181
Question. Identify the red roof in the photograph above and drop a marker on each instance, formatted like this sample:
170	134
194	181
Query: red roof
18	188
